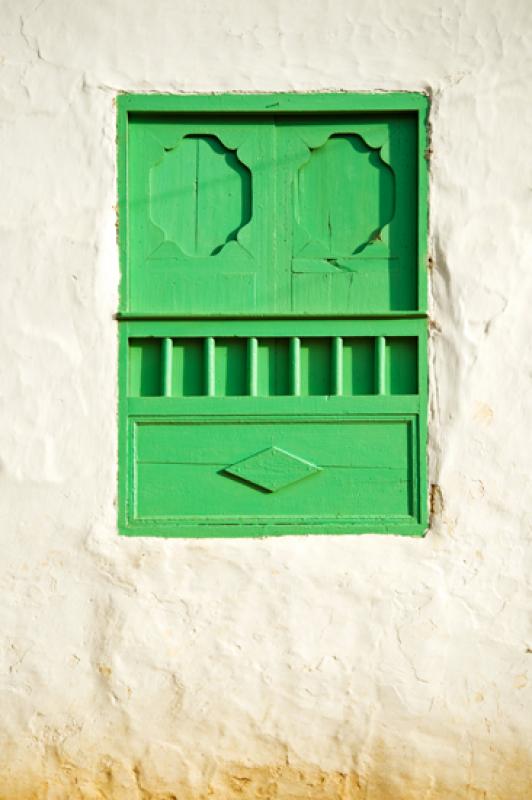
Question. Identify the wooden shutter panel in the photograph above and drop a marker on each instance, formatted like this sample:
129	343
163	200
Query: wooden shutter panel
196	241
273	340
352	186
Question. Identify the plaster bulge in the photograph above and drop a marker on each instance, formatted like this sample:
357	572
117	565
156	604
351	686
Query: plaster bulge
358	668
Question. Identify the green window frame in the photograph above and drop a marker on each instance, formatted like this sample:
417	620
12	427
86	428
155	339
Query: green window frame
273	314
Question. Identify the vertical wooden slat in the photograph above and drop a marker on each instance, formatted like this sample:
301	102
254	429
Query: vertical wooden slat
210	370
253	378
295	366
380	364
337	366
167	348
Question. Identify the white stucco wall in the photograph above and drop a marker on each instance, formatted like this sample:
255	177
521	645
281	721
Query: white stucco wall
344	667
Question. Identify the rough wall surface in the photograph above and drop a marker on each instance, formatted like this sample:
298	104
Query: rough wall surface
348	667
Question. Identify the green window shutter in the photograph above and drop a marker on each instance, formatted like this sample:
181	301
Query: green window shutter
273	374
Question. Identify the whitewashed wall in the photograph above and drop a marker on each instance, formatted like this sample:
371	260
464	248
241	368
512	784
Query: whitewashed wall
370	668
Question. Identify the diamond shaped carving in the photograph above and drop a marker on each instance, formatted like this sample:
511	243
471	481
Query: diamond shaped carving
272	469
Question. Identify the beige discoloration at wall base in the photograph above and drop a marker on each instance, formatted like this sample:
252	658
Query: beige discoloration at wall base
341	667
509	779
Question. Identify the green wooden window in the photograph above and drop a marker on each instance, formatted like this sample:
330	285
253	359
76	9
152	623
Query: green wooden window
273	367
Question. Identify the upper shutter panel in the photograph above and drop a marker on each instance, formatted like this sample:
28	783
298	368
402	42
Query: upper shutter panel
275	215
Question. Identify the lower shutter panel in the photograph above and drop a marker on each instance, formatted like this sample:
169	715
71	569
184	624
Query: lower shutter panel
238	428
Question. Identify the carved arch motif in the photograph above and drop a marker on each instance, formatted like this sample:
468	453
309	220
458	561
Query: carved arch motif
345	196
200	196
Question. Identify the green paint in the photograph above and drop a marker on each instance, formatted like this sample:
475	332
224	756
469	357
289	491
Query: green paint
144	362
272	314
281	214
187	367
272	469
359	366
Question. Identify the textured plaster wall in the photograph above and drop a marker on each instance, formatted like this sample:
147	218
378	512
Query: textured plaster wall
322	668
